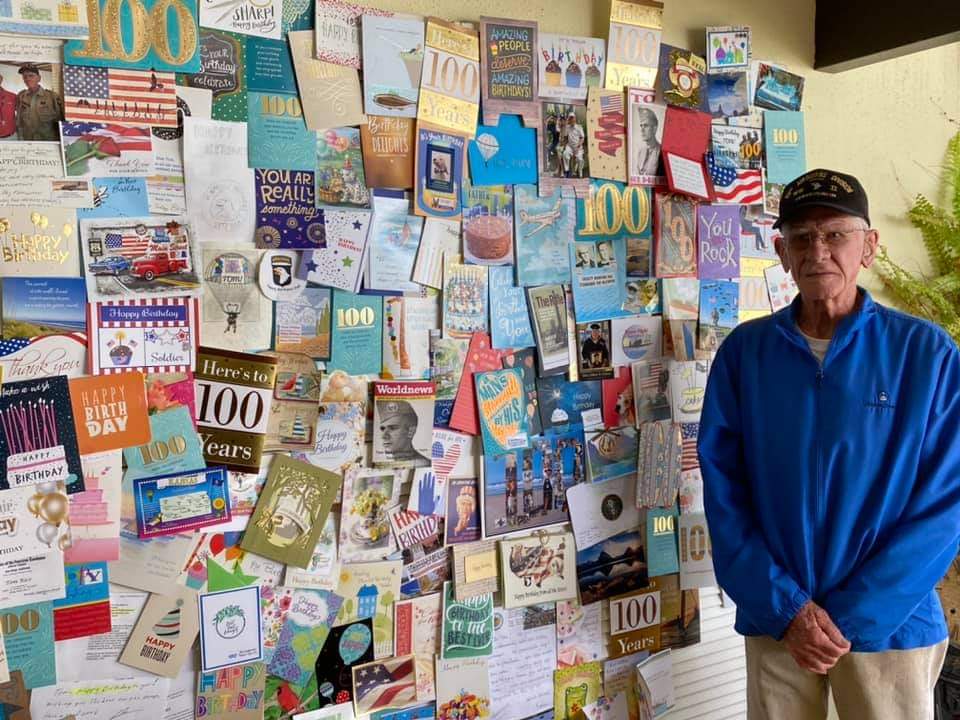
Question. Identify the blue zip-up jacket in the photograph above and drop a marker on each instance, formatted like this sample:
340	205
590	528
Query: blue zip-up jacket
838	483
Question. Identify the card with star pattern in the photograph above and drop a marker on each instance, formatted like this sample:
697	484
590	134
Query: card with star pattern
338	261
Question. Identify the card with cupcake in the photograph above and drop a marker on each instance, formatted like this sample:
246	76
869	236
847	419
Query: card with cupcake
569	66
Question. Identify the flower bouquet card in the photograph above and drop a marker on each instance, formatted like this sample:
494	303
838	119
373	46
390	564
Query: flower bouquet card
234	693
303	634
156	336
467	625
392	58
291	511
93	149
340	263
570	66
368	498
501	401
388	157
538	568
230	632
173	504
403	423
545	227
463	688
151	258
345	647
234	438
38	442
163	637
368	591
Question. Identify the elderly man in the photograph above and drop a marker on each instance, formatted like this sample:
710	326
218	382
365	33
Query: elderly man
39	110
830	452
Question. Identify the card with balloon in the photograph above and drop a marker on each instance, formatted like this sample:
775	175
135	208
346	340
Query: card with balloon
180	502
33	520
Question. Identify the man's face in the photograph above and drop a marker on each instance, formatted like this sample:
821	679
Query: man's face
824	250
31	80
647	125
397	433
595	335
604	251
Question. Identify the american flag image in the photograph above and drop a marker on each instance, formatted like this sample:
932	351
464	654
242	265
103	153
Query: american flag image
128	97
733	186
688	441
128	243
444	458
126	139
386	684
611	103
651	380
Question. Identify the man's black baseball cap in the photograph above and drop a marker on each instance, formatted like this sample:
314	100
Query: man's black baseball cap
823	188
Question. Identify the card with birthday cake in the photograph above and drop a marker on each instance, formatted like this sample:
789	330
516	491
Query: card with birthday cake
38	440
488	224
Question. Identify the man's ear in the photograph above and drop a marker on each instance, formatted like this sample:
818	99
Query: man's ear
780	244
871	241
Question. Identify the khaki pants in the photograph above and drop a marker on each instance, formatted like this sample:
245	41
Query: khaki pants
891	685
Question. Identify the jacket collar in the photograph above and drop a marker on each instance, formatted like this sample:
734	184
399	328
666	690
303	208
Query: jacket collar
786	320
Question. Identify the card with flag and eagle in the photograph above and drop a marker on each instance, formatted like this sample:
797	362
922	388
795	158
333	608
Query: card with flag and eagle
122	97
146	257
385	685
92	149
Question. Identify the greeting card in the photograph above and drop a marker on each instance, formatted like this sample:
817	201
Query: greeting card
384	685
718	241
172	504
607	139
467	625
112	411
509	316
141	335
339	169
480	357
438	179
368	591
243	17
338	31
34	520
406	339
357	333
442	104
230	632
34	307
505	153
287	216
303	634
339	263
508	69
102	94
291	512
345	647
85	610
392	58
92	149
393	242
545	228
222	73
463	688
501	402
463	523
174	447
403	423
538	568
233	315
163	637
28	640
39	242
464	299
302	323
38	442
570	66
236	693
387	144
339	439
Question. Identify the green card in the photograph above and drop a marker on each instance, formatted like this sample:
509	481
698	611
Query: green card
467	625
291	511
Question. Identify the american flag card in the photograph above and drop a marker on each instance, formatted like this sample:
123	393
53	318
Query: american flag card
122	97
734	186
385	684
106	150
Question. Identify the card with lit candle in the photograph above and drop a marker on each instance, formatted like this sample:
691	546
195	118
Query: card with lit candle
176	503
38	440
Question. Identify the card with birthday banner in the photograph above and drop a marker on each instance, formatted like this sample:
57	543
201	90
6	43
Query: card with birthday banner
38	440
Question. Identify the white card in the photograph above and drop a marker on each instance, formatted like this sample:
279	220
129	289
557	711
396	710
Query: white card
230	631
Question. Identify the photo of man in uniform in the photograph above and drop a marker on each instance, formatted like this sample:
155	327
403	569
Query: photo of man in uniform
39	110
8	112
644	130
397	425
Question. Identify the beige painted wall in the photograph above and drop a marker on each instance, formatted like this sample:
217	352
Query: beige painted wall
886	123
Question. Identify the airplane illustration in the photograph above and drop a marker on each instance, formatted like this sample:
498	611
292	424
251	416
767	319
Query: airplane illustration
542	220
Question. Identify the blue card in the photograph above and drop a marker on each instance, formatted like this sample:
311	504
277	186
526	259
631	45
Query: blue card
176	47
357	333
180	502
544	228
117	197
28	638
174	447
784	144
504	154
509	318
43	306
662	558
562	402
439	173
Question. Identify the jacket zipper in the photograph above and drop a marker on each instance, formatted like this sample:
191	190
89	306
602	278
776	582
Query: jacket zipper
819	453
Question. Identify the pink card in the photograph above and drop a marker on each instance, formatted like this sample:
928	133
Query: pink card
481	357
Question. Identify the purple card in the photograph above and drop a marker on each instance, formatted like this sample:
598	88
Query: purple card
718	240
286	214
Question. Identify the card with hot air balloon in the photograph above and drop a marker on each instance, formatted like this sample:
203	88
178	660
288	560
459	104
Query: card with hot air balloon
140	257
180	502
